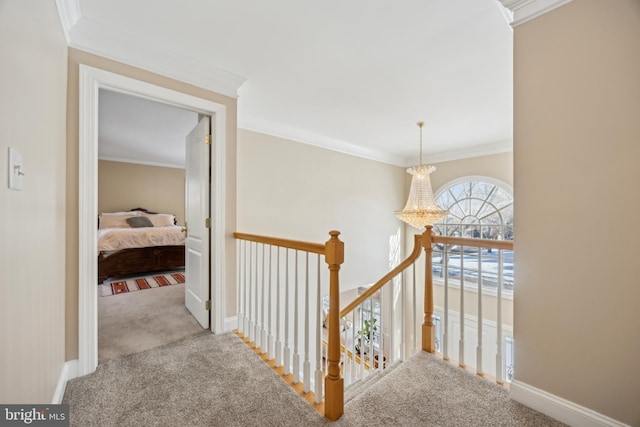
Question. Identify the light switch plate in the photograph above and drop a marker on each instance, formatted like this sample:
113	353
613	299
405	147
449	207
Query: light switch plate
16	172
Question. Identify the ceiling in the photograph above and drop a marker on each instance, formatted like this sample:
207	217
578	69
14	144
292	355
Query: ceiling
352	76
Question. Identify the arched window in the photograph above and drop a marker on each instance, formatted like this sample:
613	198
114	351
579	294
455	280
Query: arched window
479	208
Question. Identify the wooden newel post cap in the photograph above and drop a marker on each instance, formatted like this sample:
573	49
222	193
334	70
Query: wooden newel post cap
427	236
334	249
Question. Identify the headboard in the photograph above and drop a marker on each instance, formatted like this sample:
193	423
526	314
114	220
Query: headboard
147	211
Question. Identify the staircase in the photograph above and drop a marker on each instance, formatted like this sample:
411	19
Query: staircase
332	355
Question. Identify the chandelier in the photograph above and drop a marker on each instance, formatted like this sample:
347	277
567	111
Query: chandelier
421	209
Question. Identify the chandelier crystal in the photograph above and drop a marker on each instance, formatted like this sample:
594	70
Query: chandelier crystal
421	209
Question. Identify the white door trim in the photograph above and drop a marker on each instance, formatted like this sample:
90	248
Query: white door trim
91	80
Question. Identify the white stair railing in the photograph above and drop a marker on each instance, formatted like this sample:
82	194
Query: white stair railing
375	326
475	272
279	301
280	309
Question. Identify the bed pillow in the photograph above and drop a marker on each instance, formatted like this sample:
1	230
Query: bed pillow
139	221
114	221
130	213
160	220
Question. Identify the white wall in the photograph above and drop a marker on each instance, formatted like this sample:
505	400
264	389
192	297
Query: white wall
297	191
577	146
33	83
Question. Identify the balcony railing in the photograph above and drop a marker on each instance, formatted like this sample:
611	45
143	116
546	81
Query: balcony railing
282	289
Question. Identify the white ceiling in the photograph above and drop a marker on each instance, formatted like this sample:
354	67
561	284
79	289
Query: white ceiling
354	76
137	130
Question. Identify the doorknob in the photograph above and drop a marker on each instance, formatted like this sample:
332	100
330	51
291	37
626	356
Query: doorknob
184	229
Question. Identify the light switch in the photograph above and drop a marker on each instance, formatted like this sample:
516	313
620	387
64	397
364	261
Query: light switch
16	172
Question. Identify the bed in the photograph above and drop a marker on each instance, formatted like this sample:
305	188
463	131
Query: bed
138	241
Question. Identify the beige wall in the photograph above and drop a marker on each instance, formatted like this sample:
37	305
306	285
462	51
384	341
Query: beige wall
124	186
298	191
76	58
576	145
32	226
496	166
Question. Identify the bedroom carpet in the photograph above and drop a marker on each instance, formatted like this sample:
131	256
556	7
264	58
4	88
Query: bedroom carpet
137	321
216	380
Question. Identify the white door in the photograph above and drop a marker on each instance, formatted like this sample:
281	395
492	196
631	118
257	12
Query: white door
197	217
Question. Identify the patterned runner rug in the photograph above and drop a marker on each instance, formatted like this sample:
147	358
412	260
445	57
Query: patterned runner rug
136	284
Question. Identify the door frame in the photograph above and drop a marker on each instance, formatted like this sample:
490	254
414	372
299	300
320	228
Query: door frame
91	81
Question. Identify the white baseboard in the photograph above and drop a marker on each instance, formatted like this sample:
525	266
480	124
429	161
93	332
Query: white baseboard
230	323
69	372
561	409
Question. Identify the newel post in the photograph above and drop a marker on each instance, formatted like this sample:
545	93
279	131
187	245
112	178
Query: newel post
428	329
333	382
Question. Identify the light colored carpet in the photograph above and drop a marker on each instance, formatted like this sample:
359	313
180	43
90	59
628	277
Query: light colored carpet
205	380
136	321
216	380
425	391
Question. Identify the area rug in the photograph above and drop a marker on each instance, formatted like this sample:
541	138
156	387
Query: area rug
136	284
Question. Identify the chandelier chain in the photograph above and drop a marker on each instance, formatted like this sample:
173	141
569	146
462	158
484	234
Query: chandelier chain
420	124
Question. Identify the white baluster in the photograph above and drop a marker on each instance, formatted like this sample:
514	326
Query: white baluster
263	306
392	311
256	297
480	320
499	361
251	311
296	354
445	334
348	361
371	340
287	350
239	286
380	331
403	325
318	376
247	284
414	315
461	341
270	342
306	364
258	333
278	362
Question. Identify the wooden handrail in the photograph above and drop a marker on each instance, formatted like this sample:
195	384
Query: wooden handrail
316	248
477	243
333	251
417	247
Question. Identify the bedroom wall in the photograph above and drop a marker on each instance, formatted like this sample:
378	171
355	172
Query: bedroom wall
77	57
32	221
302	192
577	128
124	186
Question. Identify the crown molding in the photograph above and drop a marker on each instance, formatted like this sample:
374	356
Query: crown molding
526	10
467	153
256	124
267	127
130	49
99	39
141	162
69	13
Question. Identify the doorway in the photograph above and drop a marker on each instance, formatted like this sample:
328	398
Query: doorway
141	176
91	81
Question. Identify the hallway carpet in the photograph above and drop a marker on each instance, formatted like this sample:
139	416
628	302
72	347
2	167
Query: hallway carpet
216	380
